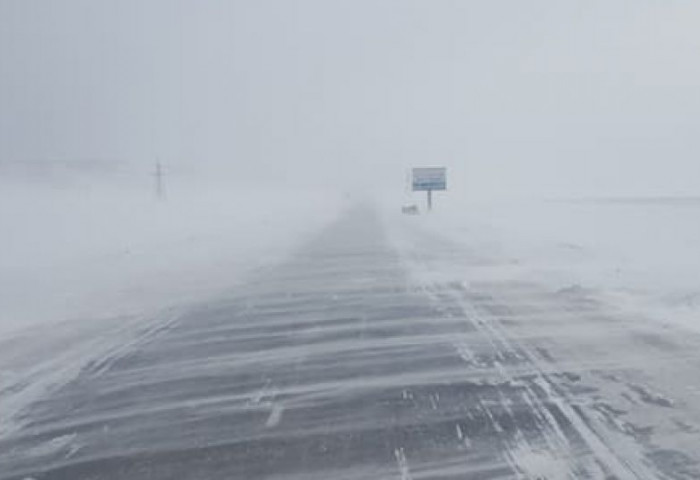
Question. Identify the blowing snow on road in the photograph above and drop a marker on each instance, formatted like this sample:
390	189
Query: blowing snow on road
349	240
360	357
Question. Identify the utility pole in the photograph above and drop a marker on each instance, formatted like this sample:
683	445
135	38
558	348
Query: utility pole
159	176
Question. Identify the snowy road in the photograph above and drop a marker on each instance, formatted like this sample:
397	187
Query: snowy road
359	359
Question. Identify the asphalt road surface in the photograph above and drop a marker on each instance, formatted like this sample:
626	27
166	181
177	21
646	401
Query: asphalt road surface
359	359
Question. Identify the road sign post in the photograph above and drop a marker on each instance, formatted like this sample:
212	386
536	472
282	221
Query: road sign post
428	179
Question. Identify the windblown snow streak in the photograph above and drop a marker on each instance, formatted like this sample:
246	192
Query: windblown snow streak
348	362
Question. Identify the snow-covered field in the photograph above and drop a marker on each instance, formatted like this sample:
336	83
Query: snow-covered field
641	255
86	253
86	274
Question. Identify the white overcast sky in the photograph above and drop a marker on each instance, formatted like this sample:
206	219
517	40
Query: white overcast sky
560	97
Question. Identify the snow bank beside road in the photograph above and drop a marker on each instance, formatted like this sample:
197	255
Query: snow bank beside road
641	254
78	253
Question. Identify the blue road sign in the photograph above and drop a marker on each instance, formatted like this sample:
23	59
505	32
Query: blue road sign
429	178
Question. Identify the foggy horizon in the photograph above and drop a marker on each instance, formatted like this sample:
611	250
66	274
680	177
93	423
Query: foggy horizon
544	98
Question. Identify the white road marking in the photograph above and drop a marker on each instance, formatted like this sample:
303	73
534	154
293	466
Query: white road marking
275	416
402	463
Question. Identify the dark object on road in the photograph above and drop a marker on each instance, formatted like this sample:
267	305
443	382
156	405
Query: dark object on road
410	210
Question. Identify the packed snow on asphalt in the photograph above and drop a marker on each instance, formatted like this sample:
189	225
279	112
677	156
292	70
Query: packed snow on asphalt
497	341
